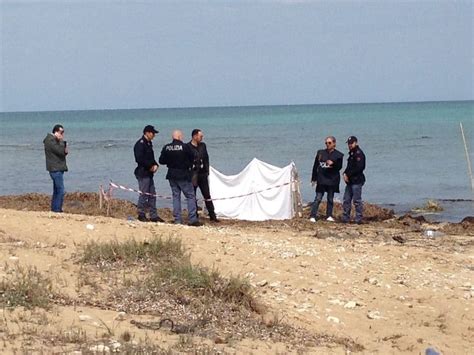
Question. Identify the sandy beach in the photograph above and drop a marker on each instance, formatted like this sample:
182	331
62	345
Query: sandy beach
382	287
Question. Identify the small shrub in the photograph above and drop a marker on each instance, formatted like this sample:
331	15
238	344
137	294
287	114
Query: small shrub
430	206
131	251
201	281
25	286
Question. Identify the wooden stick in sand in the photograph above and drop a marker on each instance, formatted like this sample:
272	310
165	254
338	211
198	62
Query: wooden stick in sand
101	191
469	168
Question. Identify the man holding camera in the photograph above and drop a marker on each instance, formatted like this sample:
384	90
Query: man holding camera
55	151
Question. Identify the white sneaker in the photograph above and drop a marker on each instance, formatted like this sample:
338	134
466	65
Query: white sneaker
330	219
312	220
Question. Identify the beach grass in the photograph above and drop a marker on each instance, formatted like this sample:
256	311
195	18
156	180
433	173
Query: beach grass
25	286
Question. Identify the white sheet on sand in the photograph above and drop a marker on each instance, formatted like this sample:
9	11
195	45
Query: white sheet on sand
275	203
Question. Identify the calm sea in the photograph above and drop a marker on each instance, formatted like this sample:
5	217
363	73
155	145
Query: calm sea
414	150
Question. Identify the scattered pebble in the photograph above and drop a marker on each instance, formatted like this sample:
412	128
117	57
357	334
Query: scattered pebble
84	317
121	316
350	305
374	315
333	319
101	349
115	346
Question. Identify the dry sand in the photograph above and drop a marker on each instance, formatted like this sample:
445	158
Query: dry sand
352	281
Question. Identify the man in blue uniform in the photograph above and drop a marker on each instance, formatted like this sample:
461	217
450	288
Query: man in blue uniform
355	179
326	167
146	168
179	159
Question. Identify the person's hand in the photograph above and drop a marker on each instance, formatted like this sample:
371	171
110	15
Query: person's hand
346	178
329	162
154	168
66	150
313	183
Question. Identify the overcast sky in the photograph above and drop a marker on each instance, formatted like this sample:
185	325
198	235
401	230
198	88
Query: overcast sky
63	55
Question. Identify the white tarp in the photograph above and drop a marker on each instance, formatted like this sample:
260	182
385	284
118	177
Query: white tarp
279	202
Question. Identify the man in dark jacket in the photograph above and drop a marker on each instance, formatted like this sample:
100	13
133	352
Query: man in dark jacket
327	164
146	168
179	159
201	170
55	151
355	179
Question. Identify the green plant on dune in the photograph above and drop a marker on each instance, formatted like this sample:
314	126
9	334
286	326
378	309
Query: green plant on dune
25	286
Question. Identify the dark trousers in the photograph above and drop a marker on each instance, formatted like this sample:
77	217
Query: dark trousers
186	187
203	184
319	198
58	191
146	184
353	194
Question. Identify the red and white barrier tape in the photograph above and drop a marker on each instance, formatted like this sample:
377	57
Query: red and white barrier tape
122	187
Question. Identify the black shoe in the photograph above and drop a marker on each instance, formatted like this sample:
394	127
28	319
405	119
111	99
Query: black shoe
142	219
195	224
157	219
214	219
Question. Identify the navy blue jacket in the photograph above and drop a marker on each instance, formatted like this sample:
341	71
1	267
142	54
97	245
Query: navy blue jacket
179	159
145	157
355	167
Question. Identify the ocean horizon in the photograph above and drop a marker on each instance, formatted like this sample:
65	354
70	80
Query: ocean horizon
414	149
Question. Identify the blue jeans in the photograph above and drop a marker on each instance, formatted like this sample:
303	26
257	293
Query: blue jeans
58	190
146	184
352	194
178	186
317	201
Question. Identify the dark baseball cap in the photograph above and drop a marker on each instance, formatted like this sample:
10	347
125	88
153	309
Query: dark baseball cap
150	128
351	139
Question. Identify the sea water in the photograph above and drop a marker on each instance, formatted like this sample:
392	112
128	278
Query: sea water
414	150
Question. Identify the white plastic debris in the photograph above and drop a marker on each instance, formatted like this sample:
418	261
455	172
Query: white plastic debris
90	227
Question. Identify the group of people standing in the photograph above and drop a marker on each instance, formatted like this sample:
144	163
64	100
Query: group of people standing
188	170
326	176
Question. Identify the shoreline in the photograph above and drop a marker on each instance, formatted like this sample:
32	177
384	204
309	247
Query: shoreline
443	216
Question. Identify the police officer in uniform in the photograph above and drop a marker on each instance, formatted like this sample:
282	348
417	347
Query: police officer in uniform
179	159
201	170
326	176
146	168
355	179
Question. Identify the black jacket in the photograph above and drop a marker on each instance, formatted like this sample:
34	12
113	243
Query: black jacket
55	152
355	167
201	158
145	157
326	175
179	159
